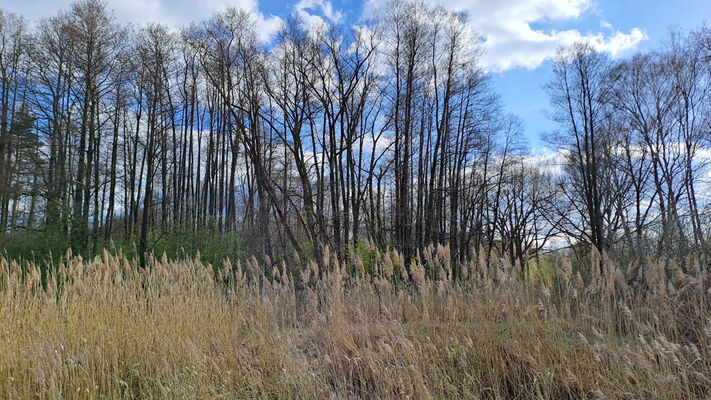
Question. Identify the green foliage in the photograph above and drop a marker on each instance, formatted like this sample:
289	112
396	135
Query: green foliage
45	247
214	247
367	255
541	269
39	247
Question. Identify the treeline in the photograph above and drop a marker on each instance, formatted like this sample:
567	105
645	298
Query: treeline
332	135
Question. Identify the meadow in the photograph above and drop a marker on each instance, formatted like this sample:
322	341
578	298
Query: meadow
380	328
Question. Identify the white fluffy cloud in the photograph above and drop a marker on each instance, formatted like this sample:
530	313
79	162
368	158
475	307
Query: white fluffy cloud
306	8
169	12
508	26
511	40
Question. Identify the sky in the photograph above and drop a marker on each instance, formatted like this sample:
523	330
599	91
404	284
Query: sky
519	36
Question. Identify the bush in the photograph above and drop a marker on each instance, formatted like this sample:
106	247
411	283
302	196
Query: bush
45	248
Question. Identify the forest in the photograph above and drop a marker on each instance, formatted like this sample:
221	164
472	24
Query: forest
153	139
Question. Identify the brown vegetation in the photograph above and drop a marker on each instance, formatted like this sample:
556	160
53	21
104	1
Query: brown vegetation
105	328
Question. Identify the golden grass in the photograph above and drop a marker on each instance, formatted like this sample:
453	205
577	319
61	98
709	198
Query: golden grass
104	329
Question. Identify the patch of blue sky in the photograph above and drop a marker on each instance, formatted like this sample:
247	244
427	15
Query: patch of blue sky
520	35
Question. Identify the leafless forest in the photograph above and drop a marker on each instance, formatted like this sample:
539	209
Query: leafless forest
375	223
386	132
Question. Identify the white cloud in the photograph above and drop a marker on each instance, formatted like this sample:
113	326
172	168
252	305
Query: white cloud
511	40
507	26
170	12
324	5
307	9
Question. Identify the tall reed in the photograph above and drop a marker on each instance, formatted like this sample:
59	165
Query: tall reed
106	329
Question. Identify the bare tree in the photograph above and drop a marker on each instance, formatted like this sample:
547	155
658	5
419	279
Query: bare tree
580	90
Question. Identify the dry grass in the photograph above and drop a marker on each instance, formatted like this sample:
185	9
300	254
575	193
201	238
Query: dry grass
104	329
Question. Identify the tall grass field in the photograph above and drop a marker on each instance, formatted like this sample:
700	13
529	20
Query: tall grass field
380	328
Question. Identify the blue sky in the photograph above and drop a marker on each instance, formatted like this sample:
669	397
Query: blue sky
520	88
519	36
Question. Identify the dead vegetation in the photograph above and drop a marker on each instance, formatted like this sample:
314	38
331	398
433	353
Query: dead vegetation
106	329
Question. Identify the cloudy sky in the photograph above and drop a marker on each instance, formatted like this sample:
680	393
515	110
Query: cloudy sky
520	36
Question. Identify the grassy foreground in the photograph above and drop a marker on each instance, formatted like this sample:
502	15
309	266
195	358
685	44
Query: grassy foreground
104	329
